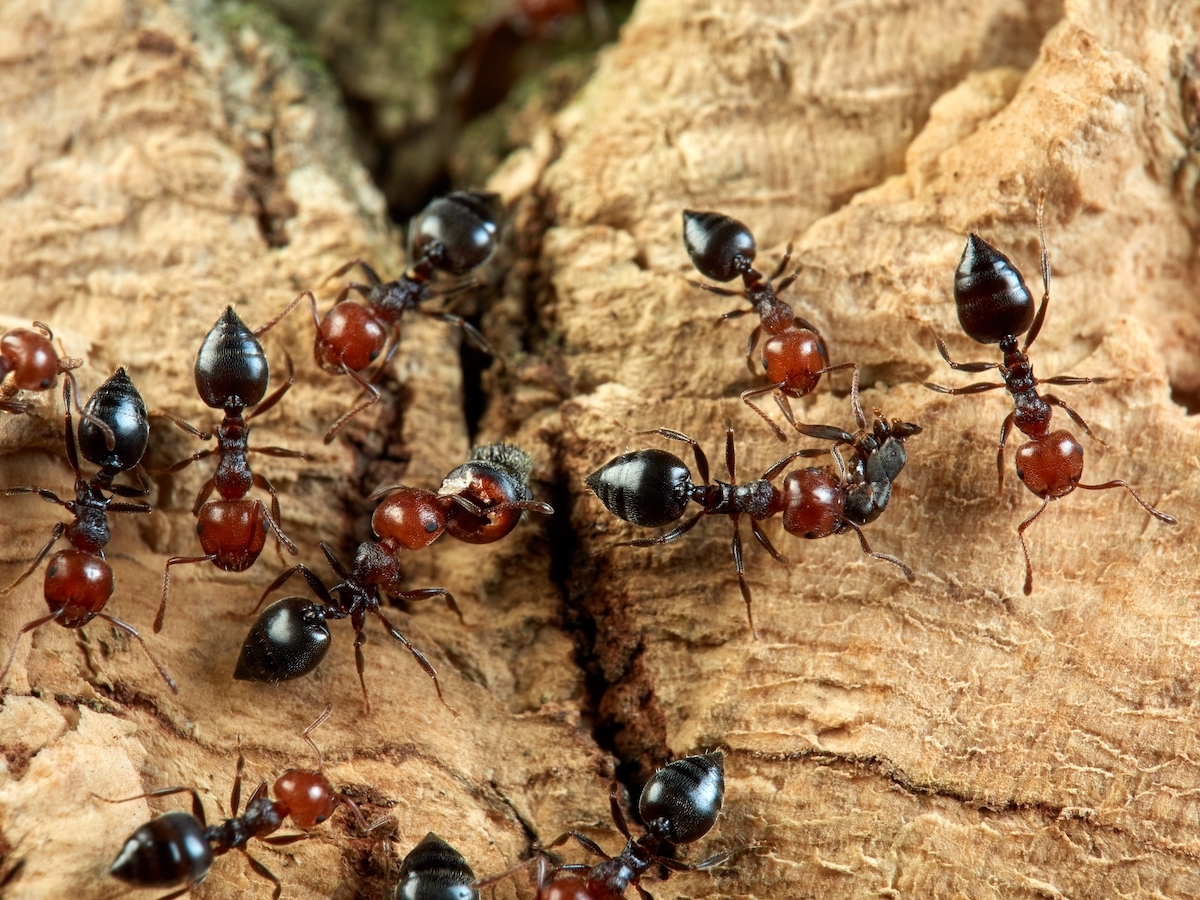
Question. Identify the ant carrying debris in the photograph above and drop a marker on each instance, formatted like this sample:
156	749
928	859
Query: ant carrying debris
994	307
232	375
79	581
794	355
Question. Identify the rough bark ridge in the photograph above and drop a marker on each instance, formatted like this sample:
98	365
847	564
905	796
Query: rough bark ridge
949	738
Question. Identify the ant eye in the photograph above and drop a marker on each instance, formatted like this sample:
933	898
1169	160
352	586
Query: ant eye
46	382
431	526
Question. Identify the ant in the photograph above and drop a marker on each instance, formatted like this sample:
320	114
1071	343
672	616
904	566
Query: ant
679	805
232	374
179	848
652	488
434	870
995	307
794	355
479	502
79	581
28	355
453	234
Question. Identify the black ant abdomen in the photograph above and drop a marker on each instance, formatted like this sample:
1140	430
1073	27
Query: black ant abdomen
495	482
167	850
434	870
990	294
680	803
720	247
646	487
455	233
231	368
118	408
288	640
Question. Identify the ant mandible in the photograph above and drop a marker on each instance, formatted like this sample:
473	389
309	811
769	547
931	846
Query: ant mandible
79	581
679	805
433	870
453	234
179	848
28	355
995	307
232	374
652	488
794	355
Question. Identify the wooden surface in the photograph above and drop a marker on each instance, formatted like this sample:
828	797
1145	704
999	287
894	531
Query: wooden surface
950	738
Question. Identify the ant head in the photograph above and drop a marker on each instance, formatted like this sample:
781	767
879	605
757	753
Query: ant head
646	487
721	248
1051	466
78	584
289	639
411	517
434	870
231	367
992	298
681	802
309	797
814	503
118	405
455	233
167	851
31	355
495	474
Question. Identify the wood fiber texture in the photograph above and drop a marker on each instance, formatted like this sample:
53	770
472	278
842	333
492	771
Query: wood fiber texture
949	738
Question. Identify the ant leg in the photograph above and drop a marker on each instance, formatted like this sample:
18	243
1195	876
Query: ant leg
184	463
110	439
235	793
183	425
1161	516
783	264
197	806
367	270
860	418
762	538
1025	549
417	655
271	323
740	567
787	460
260	869
730	453
585	842
825	433
755	392
716	859
473	335
55	534
672	435
360	663
642	892
1075	417
618	814
1005	431
427	593
280	452
671	536
751	346
174	561
371	400
494	879
132	632
262	482
314	582
48	496
307	734
866	548
1038	319
334	562
964	367
721	292
977	388
277	395
28	626
274	525
284	839
126	490
202	496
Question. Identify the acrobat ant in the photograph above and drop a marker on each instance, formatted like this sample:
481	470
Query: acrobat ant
232	375
794	355
434	870
994	307
179	848
79	581
453	234
679	805
479	502
28	355
653	487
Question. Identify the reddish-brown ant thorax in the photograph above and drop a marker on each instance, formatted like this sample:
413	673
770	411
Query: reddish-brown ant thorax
350	335
79	583
1051	466
568	888
309	797
813	503
794	358
32	358
412	518
234	531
